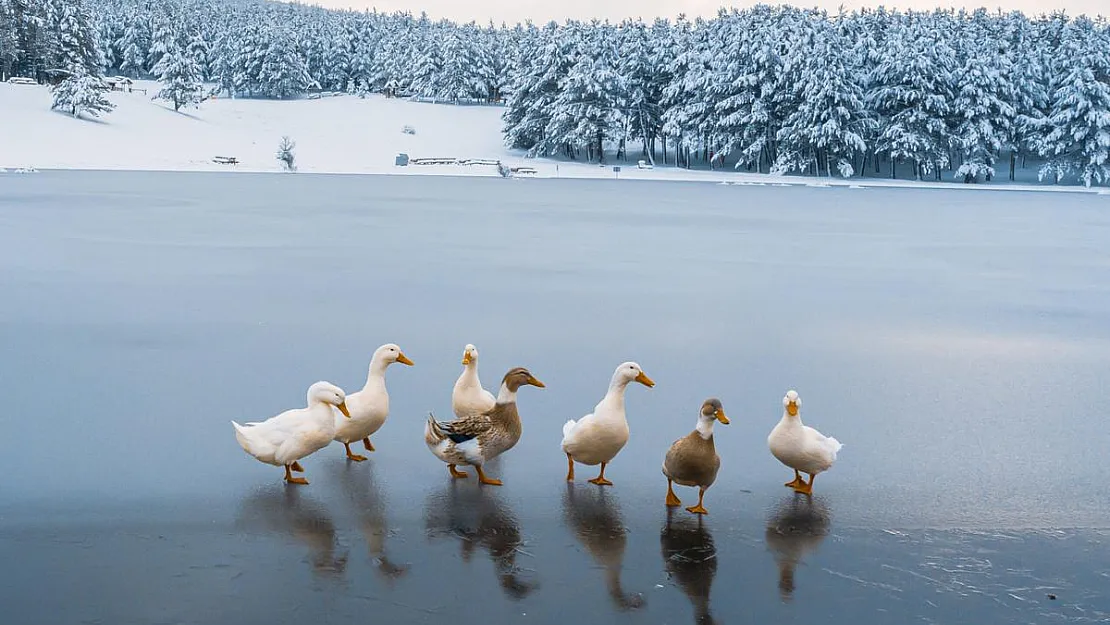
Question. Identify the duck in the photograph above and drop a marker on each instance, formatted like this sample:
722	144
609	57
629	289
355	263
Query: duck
468	396
801	447
370	406
597	437
285	439
692	460
478	438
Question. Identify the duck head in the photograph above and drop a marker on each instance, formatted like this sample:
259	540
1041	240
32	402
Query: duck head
388	354
711	410
518	377
328	393
628	372
792	402
470	355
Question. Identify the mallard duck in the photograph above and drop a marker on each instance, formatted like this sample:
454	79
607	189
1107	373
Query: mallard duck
597	437
693	460
284	439
477	438
469	397
801	447
370	406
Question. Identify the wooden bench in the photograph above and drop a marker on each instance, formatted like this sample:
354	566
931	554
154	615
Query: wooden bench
225	160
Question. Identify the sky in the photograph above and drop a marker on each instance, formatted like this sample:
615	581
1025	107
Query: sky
539	11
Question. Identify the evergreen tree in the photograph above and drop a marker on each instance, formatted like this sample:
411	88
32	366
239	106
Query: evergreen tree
75	33
912	97
828	128
81	92
283	72
1076	132
180	78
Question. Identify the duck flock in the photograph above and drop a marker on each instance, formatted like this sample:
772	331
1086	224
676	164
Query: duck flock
486	427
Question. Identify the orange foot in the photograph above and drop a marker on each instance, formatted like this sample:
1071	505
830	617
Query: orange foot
798	481
672	500
296	466
296	480
485	480
455	473
367	444
600	481
803	488
698	509
352	456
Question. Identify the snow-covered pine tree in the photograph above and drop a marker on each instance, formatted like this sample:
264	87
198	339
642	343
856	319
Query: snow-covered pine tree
82	92
284	73
588	110
638	64
912	96
10	49
1076	133
198	51
983	105
75	37
828	127
135	45
180	78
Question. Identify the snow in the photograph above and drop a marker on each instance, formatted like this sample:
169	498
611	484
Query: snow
340	135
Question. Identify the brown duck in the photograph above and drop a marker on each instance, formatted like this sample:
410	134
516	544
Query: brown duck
693	460
476	438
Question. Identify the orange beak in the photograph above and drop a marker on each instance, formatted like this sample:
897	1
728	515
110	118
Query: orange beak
792	409
343	408
721	417
534	382
403	359
466	358
646	381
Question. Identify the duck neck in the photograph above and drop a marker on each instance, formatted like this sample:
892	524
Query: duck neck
469	376
375	378
615	396
506	395
705	427
793	421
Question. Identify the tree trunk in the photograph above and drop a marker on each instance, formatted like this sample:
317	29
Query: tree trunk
1013	163
893	168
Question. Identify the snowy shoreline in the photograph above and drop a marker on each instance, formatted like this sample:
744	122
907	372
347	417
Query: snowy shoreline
767	180
344	135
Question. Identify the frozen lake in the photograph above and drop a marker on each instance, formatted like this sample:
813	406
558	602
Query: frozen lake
957	343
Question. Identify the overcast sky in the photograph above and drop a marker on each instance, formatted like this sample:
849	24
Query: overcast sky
539	11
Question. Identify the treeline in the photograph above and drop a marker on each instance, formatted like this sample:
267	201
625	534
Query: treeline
773	89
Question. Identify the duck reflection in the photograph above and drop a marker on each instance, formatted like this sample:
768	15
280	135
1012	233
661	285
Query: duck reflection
690	559
594	517
478	518
796	527
288	510
361	489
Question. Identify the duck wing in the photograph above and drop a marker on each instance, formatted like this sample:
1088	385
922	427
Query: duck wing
465	428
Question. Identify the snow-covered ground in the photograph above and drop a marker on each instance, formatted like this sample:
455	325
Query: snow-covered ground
344	134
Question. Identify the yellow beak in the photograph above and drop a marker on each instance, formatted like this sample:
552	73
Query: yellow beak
466	358
403	359
792	409
721	417
643	379
343	409
534	382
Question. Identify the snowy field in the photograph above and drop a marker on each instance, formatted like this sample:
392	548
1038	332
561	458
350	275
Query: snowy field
341	135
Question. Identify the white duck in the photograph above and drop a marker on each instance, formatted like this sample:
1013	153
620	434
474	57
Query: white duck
801	447
599	436
468	396
294	434
370	406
